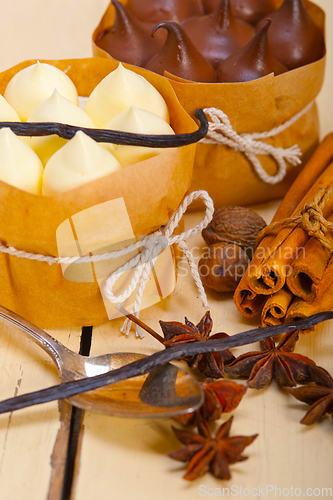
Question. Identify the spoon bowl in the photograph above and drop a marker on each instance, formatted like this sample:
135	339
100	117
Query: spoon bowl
165	391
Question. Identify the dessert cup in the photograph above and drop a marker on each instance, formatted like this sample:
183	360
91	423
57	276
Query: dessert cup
150	192
256	106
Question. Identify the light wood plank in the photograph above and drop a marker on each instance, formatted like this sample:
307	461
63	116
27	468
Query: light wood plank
123	458
28	437
128	457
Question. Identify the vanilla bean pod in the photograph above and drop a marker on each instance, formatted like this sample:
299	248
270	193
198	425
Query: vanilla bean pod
112	136
148	363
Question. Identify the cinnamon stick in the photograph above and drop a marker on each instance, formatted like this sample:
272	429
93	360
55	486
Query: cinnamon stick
318	162
269	276
246	300
275	308
312	269
248	303
300	309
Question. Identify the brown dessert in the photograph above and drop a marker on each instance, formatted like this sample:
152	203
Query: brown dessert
294	38
252	62
219	34
165	10
248	10
129	39
180	57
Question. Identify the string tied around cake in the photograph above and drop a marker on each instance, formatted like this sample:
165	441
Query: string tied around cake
310	218
141	275
150	247
220	131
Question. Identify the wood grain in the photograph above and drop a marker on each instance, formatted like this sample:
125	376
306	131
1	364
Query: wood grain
60	453
28	438
132	454
124	458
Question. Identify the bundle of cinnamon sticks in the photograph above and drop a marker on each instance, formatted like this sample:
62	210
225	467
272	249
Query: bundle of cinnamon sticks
291	274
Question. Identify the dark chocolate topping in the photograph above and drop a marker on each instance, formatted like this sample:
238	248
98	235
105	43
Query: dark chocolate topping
219	34
252	62
165	10
129	40
250	11
180	57
294	38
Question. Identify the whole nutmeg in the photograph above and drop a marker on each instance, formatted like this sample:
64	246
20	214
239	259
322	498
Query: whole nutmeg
222	266
234	225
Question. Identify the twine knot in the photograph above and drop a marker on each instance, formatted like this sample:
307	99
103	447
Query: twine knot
152	245
221	132
310	218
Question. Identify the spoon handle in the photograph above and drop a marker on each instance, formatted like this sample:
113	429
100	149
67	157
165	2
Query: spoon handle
50	345
147	364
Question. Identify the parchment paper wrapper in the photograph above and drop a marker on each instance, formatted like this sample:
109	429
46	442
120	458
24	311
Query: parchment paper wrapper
255	106
152	190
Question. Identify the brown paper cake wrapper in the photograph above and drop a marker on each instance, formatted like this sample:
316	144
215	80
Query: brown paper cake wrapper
255	106
152	190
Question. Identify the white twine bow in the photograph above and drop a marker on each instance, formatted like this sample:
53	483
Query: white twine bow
150	246
221	132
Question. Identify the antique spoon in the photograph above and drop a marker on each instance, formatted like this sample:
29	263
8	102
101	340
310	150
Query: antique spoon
150	363
166	391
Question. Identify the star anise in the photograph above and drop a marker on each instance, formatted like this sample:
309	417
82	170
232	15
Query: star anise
278	361
222	396
211	364
205	452
319	396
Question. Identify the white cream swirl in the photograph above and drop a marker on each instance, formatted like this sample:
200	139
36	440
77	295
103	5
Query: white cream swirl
32	85
81	160
19	165
118	91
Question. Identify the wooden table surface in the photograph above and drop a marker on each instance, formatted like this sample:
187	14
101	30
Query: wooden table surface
114	458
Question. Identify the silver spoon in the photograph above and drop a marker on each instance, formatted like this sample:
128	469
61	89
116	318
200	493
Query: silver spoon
165	391
150	363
